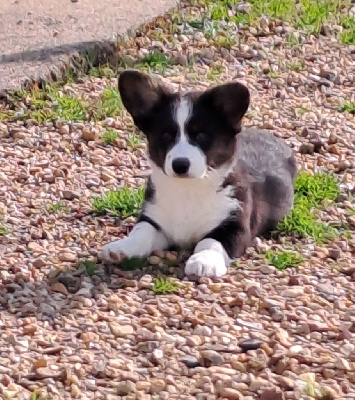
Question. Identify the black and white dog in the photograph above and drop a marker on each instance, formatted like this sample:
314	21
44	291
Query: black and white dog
213	187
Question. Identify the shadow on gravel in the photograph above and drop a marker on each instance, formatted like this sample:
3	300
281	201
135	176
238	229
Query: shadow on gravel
61	290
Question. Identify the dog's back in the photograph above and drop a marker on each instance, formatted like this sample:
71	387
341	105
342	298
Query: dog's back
268	165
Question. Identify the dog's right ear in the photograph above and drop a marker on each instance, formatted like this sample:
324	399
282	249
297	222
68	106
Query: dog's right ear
139	94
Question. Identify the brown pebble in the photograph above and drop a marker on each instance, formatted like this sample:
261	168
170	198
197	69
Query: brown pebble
59	287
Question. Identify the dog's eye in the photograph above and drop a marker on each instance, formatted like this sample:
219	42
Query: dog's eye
202	139
168	135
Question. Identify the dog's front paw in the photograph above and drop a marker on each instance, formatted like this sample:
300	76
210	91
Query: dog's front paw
208	263
119	250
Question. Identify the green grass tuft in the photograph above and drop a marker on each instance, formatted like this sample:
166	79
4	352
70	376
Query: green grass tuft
293	39
226	41
348	34
56	207
110	103
34	396
283	260
156	60
215	72
123	203
134	140
164	286
131	264
90	266
5	115
110	136
309	15
296	66
303	110
347	106
302	220
102	71
310	193
315	14
3	231
316	188
48	104
68	108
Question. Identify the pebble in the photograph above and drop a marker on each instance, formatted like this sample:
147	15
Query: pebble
190	361
88	135
67	256
157	385
272	394
210	358
307	148
121	330
29	329
64	130
236	364
202	330
143	386
70	195
194	341
334	253
296	349
257	383
276	314
293	292
268	269
125	387
59	287
249	344
39	262
154	260
249	324
342	364
334	149
230	394
90	337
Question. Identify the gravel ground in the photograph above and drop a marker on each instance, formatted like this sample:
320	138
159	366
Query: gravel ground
258	333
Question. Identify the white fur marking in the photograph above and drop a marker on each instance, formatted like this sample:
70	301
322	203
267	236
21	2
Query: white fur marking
187	209
198	162
182	115
209	259
141	242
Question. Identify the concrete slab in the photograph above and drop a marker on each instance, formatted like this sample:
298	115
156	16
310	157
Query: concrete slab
40	36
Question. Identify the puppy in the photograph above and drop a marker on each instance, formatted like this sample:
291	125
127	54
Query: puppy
213	187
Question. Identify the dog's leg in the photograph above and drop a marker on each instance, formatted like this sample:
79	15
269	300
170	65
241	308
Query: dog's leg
141	242
213	254
209	259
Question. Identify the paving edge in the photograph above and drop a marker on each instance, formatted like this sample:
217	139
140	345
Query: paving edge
85	56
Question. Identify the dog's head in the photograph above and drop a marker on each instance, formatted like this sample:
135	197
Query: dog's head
188	134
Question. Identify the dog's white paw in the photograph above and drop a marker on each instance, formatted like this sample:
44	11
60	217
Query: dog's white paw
208	263
119	250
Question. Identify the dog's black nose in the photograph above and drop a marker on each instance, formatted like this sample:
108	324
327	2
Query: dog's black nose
181	165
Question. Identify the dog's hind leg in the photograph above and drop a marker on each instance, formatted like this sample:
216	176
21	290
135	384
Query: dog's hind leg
142	241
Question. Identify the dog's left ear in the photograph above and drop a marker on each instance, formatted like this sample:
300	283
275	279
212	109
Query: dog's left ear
230	101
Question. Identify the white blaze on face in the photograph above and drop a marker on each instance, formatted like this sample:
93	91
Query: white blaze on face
182	148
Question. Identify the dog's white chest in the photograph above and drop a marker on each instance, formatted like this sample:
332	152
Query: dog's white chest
187	209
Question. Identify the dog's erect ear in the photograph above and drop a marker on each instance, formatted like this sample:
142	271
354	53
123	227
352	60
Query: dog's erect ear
230	101
139	93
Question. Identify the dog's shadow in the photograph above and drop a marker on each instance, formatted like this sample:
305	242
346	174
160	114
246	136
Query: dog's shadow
127	273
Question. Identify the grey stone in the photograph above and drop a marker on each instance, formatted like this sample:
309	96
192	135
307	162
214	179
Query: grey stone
250	344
